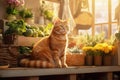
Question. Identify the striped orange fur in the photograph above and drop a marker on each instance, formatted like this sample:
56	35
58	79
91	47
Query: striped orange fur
36	63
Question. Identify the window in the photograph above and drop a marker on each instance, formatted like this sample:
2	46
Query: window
103	11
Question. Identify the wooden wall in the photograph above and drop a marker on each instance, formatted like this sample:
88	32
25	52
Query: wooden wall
2	9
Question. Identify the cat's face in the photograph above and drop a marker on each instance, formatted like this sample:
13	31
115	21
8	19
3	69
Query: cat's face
61	27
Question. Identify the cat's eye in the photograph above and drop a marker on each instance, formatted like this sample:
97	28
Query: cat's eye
62	26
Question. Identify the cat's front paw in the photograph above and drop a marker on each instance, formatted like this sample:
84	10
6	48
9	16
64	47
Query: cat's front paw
58	66
64	65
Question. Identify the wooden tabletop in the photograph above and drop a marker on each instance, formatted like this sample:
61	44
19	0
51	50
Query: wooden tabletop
25	72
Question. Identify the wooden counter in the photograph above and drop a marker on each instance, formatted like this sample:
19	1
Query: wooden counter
72	71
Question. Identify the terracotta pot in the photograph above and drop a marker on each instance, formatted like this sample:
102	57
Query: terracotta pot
107	60
98	60
89	60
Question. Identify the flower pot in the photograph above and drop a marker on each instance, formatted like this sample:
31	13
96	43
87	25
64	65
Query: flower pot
98	60
11	17
29	20
88	60
107	60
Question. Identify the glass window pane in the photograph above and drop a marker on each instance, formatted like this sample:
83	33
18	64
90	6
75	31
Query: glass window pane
89	31
102	28
114	28
101	11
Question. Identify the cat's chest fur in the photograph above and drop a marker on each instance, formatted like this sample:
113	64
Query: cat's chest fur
58	43
58	40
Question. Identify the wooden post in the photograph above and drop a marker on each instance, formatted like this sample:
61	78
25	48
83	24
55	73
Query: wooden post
109	18
72	77
109	76
93	12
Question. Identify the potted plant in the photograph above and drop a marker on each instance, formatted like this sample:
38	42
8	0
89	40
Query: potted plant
46	13
12	8
88	50
103	50
108	55
14	27
75	57
27	15
98	53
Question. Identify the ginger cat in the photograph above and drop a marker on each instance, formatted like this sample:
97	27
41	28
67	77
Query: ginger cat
51	50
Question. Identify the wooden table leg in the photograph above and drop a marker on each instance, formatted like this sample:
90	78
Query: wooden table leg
109	76
72	77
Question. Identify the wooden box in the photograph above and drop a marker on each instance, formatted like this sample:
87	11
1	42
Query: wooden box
26	41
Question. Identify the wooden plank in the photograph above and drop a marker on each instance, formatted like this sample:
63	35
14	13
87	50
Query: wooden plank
25	72
72	77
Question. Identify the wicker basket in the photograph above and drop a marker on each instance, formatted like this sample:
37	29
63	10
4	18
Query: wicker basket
75	59
8	57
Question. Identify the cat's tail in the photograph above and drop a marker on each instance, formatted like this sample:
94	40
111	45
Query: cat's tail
36	63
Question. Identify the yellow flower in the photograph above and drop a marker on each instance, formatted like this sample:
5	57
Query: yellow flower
103	47
110	48
106	50
100	48
87	48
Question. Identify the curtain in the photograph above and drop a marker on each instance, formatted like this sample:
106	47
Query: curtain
75	6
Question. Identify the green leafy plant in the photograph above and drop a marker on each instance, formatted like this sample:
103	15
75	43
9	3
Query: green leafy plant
47	28
15	27
46	11
24	50
38	31
48	14
117	35
26	13
93	40
74	50
11	11
19	27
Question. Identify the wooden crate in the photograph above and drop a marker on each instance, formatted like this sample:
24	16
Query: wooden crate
26	41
